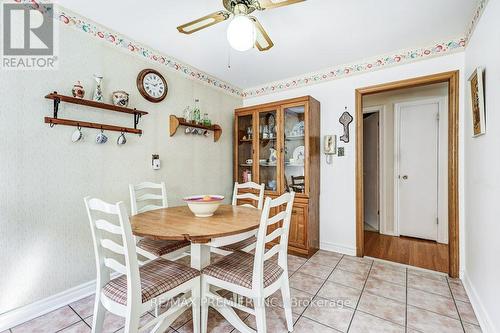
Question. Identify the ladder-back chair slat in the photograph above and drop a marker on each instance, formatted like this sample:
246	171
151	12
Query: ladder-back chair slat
276	218
136	198
149	196
252	196
107	226
112	246
148	208
272	252
273	235
115	265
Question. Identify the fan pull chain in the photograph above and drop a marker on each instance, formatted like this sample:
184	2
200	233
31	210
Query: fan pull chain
229	58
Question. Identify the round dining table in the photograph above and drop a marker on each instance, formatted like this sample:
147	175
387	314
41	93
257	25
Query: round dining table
229	224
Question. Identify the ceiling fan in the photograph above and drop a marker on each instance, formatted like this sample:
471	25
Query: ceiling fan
245	30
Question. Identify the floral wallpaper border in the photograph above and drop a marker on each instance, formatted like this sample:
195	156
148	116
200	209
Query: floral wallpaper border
475	19
77	22
342	71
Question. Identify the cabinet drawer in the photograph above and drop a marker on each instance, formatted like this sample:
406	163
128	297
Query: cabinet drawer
298	226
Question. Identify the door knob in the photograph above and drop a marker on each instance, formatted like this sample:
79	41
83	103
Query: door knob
405	177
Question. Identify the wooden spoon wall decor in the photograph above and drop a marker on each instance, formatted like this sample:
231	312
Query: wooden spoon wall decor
346	119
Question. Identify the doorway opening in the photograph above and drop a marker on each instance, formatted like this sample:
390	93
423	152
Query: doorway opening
372	157
407	172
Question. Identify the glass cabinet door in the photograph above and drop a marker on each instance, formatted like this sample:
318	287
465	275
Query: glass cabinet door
295	146
268	151
245	132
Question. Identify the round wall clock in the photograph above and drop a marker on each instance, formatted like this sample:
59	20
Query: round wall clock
152	85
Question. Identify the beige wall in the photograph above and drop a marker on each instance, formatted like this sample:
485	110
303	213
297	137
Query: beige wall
387	101
482	179
338	197
45	241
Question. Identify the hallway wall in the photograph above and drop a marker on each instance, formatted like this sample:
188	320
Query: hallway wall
387	101
482	179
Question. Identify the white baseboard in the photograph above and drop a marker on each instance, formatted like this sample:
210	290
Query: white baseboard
25	313
477	305
337	248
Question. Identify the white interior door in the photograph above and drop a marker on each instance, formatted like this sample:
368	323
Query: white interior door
417	170
371	172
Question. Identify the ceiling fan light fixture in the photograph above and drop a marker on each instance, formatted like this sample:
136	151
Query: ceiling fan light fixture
241	33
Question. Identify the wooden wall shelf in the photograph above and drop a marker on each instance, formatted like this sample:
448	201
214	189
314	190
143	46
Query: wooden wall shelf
93	104
57	98
86	124
175	122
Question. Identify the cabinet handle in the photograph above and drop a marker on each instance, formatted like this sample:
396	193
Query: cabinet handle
294	211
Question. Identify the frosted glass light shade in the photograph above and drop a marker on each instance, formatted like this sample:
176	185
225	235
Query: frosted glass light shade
241	33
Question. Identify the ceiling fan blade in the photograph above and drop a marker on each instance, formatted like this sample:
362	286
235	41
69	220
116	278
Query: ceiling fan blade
204	22
263	42
270	4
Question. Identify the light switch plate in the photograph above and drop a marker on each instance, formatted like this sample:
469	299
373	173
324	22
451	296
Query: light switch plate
340	151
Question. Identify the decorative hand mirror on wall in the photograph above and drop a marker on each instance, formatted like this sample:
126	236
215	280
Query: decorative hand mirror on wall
345	120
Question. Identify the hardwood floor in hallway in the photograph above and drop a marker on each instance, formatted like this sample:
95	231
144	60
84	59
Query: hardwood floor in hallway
406	250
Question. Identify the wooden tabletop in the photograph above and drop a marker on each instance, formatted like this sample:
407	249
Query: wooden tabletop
179	223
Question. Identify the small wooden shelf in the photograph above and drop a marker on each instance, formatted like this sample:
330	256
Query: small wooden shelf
94	104
293	138
55	120
175	122
86	124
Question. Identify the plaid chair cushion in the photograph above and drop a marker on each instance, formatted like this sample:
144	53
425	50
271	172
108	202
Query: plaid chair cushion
240	245
157	277
237	268
161	247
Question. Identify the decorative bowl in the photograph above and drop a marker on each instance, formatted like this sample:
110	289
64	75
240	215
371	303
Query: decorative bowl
203	205
120	98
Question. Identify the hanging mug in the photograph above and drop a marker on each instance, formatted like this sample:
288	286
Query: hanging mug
101	138
77	135
121	139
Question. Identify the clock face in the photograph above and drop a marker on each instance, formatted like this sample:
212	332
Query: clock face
152	85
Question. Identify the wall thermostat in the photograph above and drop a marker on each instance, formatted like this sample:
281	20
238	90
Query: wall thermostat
156	162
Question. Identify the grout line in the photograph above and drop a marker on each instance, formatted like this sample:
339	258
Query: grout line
387	298
316	294
372	315
361	294
406	303
314	320
76	322
439	314
78	314
430	292
456	306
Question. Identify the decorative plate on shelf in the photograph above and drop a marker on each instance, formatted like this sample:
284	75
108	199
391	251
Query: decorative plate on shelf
299	154
298	129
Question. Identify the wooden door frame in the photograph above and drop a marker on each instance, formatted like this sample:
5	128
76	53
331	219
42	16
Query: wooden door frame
452	78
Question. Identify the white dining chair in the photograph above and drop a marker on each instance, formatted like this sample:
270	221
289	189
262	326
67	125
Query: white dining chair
149	196
248	244
138	289
253	276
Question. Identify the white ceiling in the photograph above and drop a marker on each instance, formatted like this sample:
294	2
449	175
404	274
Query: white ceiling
308	36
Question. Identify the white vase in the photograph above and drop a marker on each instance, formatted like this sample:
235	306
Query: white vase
98	97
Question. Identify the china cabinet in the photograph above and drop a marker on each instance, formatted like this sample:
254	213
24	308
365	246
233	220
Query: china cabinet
278	144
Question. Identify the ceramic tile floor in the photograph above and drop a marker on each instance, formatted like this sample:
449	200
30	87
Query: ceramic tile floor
331	293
